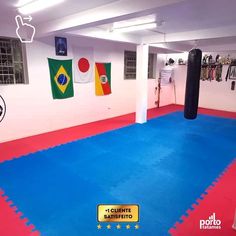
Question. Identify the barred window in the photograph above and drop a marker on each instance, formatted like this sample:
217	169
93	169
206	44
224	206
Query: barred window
12	70
130	65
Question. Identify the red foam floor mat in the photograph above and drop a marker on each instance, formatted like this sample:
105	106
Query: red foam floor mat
221	200
24	146
10	222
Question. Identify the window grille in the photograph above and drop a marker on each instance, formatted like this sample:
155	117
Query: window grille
11	62
130	65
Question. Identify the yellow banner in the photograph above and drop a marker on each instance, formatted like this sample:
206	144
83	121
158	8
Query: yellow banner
118	213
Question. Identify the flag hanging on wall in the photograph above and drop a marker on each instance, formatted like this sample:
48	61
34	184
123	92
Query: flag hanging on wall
83	65
61	78
102	79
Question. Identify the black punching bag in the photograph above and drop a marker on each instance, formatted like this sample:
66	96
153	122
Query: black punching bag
192	84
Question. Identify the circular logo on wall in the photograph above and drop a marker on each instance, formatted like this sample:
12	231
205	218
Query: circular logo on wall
2	108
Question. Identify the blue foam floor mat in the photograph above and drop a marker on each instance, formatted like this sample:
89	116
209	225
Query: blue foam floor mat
163	165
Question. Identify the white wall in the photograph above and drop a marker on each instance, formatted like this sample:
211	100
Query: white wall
7	30
213	95
31	109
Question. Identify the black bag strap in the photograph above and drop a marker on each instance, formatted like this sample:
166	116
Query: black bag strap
227	75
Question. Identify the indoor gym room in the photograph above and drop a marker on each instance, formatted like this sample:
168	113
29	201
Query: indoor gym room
117	117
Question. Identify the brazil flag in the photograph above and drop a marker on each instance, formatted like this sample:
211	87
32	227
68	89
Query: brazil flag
61	78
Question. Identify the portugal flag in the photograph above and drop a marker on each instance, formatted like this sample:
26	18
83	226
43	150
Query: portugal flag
61	78
103	79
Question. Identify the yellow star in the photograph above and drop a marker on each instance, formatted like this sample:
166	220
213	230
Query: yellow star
99	226
108	226
136	226
127	226
118	226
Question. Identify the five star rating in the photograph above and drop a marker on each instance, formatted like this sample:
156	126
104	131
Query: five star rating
118	217
118	227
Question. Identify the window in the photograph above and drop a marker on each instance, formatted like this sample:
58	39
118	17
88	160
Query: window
11	62
151	60
130	65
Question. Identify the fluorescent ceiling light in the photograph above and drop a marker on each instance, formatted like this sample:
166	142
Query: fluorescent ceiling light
22	3
135	28
38	5
135	21
158	45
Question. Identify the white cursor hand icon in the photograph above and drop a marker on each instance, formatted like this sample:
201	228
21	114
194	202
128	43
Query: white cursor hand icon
24	31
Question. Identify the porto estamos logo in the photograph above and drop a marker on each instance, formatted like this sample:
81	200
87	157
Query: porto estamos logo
211	223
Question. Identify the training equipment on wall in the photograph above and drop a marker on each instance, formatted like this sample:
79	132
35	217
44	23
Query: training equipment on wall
231	72
61	78
181	61
166	75
192	84
233	85
218	72
204	72
165	78
211	70
225	60
158	91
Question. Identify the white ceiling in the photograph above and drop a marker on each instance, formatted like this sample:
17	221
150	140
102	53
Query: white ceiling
207	22
68	7
197	14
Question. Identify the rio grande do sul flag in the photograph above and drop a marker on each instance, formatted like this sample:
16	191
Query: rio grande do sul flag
102	79
83	64
61	78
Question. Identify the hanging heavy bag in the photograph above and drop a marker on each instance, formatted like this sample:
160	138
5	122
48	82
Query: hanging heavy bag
192	84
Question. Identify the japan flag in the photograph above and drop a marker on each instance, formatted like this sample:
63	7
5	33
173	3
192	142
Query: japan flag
83	65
